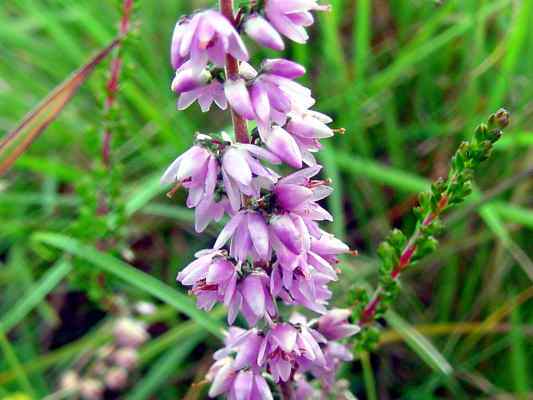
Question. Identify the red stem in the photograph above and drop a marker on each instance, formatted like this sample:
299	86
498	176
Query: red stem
405	259
112	83
232	72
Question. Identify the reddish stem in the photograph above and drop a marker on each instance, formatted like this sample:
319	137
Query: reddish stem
232	72
114	75
405	259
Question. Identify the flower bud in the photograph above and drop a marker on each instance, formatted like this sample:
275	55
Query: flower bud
260	30
70	381
145	308
116	378
91	389
126	357
286	68
130	333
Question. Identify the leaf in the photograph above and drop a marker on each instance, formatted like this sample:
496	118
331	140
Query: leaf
34	296
419	344
142	195
133	276
18	140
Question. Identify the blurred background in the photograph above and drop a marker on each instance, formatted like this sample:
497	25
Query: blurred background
407	79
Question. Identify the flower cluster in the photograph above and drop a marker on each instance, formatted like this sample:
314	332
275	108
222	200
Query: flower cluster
272	251
110	368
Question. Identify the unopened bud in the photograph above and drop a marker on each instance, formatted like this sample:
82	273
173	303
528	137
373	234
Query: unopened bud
70	381
91	389
130	333
502	118
145	308
116	378
126	357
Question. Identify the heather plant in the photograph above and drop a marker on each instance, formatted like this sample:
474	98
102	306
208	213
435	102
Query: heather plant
272	251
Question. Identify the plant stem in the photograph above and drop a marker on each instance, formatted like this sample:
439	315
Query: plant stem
408	251
232	72
112	83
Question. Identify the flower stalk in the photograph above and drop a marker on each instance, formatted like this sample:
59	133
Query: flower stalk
397	253
114	76
272	255
232	71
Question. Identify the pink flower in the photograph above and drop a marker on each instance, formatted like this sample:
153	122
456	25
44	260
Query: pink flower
260	30
197	170
237	384
334	325
243	174
214	277
285	345
290	17
207	36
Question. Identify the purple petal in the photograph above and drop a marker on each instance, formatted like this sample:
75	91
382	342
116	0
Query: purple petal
239	98
282	67
285	230
234	162
228	230
253	294
263	391
260	30
242	386
290	196
260	102
284	335
232	191
223	380
219	271
284	146
259	234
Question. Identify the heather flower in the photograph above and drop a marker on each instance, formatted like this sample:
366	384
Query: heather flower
192	85
243	174
290	17
268	96
282	144
260	30
216	278
249	236
130	333
207	36
235	384
283	348
239	377
210	276
199	170
334	325
298	194
206	95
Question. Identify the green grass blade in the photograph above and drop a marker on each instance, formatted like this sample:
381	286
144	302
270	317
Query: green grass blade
14	363
420	345
34	295
368	376
518	356
133	276
335	200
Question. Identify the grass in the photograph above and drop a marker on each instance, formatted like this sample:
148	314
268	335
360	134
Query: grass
408	81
